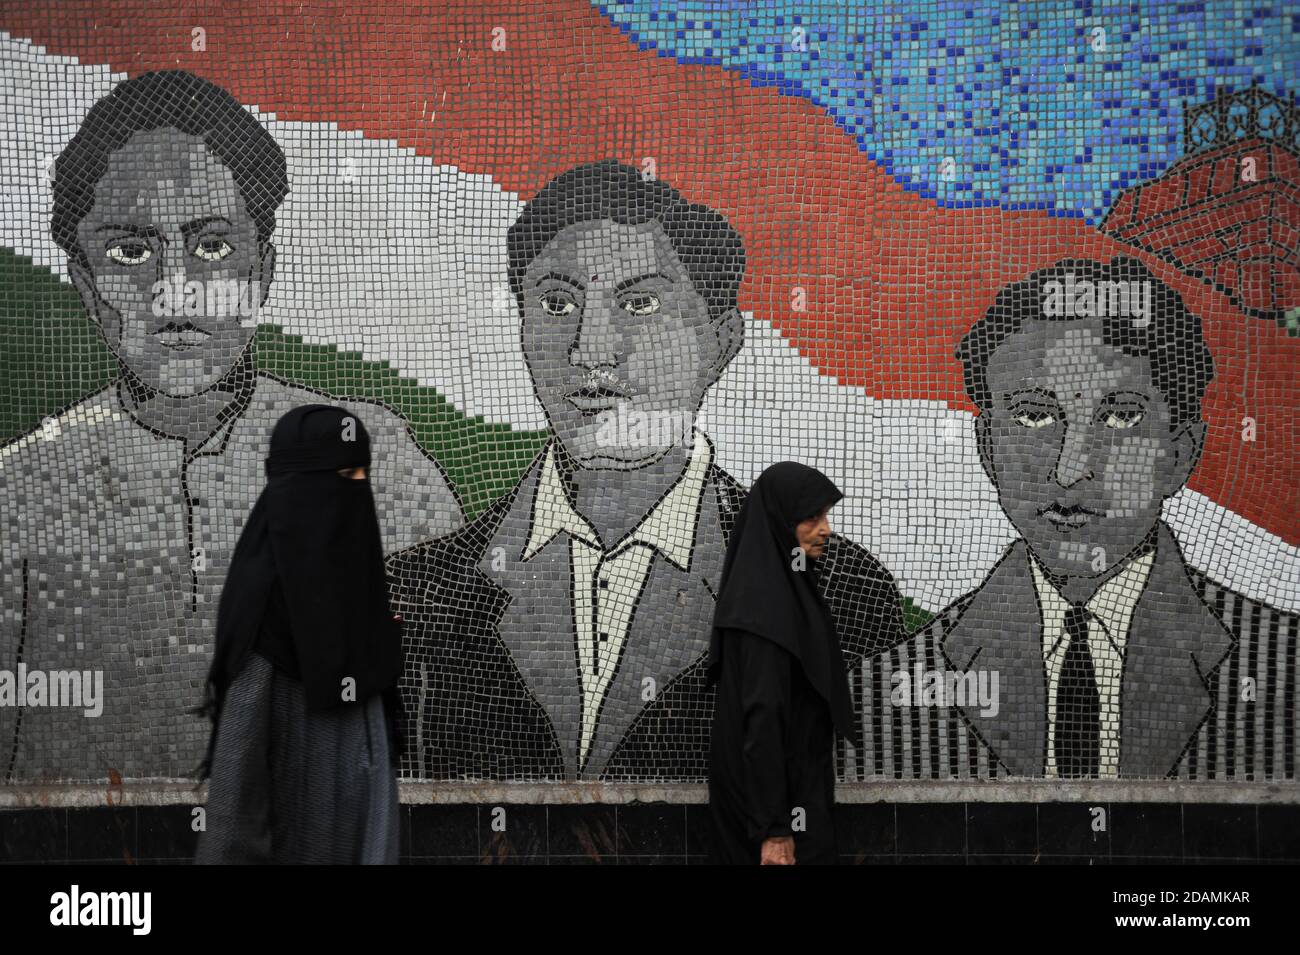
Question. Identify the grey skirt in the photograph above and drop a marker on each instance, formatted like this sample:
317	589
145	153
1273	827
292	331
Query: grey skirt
292	785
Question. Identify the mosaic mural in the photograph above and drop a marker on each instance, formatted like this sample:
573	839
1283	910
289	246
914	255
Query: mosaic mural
1022	280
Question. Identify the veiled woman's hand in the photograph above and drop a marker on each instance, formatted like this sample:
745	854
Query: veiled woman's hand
778	851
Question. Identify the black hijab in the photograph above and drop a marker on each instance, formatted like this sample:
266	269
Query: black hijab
315	534
763	593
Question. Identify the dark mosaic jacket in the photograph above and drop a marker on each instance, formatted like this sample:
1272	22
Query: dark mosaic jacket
473	704
1185	711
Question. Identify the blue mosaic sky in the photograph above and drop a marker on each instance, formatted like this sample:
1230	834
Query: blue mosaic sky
976	104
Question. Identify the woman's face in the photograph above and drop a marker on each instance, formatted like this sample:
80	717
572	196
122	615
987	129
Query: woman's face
356	474
814	532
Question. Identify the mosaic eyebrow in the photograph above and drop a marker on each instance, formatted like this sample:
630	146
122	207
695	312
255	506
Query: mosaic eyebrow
1039	392
188	229
1139	396
559	277
141	230
628	283
197	225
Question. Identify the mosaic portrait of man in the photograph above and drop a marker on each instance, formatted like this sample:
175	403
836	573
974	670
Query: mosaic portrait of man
562	633
122	510
1111	656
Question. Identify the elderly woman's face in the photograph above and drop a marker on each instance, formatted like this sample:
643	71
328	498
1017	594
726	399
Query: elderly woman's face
814	532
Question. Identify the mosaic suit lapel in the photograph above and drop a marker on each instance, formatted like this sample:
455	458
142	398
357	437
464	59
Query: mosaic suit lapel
1174	644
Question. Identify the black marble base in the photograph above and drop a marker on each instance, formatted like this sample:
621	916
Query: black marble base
661	833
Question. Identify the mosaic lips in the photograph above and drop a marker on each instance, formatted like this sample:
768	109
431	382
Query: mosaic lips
592	398
181	336
1068	517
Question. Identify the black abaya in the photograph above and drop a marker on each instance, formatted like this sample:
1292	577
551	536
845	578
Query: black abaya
307	657
772	752
782	690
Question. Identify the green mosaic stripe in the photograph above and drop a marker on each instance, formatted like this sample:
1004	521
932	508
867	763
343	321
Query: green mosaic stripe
914	615
483	461
50	353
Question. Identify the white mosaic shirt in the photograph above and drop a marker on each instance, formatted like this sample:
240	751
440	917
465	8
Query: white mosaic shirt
607	582
1110	611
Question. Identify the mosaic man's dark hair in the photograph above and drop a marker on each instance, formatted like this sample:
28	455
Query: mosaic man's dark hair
190	104
710	250
1170	338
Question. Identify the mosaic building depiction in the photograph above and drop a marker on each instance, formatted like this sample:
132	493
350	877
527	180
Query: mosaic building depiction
1022	280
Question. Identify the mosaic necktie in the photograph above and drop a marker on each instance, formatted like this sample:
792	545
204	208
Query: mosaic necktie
1078	704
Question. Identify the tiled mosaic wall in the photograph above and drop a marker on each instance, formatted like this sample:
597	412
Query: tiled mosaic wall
1022	279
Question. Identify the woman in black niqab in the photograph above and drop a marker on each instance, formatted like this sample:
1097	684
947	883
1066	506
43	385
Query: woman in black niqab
782	689
302	688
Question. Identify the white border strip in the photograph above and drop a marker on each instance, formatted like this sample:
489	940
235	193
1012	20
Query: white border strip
165	793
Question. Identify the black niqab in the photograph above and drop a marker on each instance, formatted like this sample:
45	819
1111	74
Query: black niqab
763	593
315	534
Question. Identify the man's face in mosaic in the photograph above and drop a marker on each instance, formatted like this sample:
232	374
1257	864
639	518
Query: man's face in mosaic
1078	443
176	275
618	342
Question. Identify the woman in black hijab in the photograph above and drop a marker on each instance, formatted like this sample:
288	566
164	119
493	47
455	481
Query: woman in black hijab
302	690
782	688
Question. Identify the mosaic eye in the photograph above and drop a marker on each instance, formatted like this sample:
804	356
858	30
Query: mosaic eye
1035	418
129	251
213	249
557	302
1120	418
641	303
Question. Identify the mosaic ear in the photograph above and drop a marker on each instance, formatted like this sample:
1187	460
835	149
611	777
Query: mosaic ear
83	280
730	329
1189	441
265	270
984	443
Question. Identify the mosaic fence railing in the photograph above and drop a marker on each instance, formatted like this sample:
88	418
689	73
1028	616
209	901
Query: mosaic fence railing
1022	280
